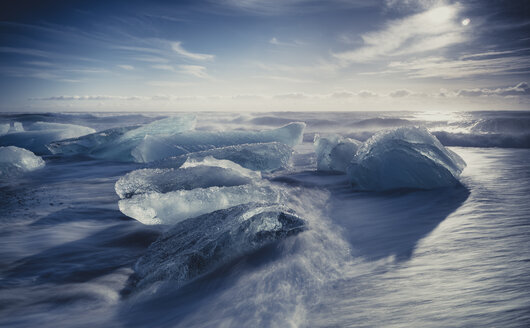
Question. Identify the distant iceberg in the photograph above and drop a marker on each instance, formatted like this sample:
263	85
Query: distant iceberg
155	148
34	137
200	245
117	143
407	157
15	160
259	156
334	152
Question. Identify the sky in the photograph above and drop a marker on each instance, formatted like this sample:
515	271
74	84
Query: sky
260	55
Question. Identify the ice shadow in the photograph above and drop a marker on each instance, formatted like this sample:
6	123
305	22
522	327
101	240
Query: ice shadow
382	224
100	253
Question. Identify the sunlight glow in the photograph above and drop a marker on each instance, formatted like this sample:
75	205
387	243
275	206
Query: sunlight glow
466	22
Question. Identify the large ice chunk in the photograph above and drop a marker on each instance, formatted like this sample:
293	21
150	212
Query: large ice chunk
408	157
155	148
334	152
4	128
15	160
176	206
35	136
259	157
117	143
193	174
200	245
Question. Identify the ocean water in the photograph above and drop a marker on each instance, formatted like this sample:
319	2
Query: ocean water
449	257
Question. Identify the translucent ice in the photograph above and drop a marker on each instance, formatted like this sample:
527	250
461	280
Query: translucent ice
407	157
15	160
176	206
200	245
193	174
156	148
334	152
260	156
117	143
4	128
35	136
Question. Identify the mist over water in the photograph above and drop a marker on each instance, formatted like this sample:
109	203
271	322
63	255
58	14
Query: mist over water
455	256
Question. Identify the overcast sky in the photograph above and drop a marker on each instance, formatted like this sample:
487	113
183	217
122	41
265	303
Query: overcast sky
265	55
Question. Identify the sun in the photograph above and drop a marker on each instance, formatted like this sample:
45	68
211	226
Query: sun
466	21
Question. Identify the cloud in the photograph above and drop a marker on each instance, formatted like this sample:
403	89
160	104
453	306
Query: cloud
126	67
366	94
342	94
521	89
169	84
276	42
286	7
292	96
400	93
427	31
88	97
151	59
194	70
164	68
177	47
284	78
442	67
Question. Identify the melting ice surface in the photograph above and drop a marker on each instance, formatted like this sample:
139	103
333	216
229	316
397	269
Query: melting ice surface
117	143
404	158
334	152
36	136
167	196
155	148
196	246
458	254
268	156
15	160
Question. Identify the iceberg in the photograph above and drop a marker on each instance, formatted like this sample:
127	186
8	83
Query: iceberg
334	152
175	206
407	157
193	174
4	128
117	143
35	136
154	148
259	157
198	246
15	160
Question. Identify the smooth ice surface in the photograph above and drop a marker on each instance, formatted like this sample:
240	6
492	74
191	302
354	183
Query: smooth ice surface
199	245
35	136
117	143
176	206
15	160
407	157
259	157
206	173
334	152
155	148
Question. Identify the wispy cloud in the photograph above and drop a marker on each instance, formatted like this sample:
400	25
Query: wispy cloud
521	89
430	30
267	7
195	70
126	67
177	47
277	42
442	67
